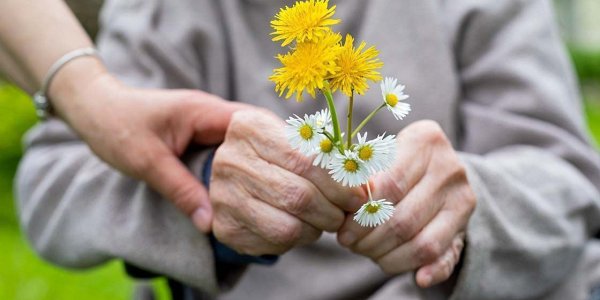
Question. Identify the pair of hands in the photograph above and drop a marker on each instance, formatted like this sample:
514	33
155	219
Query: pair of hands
268	198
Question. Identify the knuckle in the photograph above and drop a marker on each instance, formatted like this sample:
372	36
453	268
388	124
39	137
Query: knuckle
436	137
336	222
457	248
218	198
184	197
431	132
296	199
466	200
387	267
190	97
428	251
221	159
239	125
454	176
397	187
297	163
225	231
448	268
403	228
470	200
288	235
310	236
227	162
443	272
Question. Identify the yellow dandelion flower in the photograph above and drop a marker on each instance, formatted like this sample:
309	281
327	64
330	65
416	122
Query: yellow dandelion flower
356	67
305	21
307	66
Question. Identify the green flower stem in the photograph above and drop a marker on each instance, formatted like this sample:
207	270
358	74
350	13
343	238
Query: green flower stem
350	107
367	119
337	136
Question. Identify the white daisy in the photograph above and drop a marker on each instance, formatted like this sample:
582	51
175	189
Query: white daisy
325	152
325	148
323	119
303	134
348	169
378	154
374	213
393	93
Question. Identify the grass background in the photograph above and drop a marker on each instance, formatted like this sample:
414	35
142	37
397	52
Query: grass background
24	276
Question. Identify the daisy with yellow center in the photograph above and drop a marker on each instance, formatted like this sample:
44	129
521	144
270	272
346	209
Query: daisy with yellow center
374	213
306	67
305	21
393	94
303	134
326	148
323	119
325	152
377	154
348	169
356	66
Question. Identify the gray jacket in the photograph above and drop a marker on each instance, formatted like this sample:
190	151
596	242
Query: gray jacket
492	73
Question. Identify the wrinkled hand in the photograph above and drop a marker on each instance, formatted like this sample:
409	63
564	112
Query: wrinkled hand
434	204
143	132
267	197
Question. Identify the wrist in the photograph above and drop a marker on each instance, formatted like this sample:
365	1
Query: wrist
71	88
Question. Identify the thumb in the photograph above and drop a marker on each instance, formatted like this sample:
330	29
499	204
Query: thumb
169	176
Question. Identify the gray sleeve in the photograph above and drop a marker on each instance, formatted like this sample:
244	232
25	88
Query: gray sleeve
77	211
532	166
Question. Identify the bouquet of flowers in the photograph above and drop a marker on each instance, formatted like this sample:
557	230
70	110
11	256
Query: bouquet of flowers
318	61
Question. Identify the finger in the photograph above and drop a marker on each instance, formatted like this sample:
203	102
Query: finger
229	230
281	230
270	143
346	198
273	231
169	176
425	247
441	269
411	215
286	191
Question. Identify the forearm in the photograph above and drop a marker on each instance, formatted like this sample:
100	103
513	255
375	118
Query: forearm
34	35
11	72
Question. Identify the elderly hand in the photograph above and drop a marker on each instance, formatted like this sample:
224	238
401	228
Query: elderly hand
267	197
433	201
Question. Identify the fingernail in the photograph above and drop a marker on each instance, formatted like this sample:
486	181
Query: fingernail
202	219
347	238
426	280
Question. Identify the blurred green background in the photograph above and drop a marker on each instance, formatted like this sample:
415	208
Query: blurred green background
24	276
